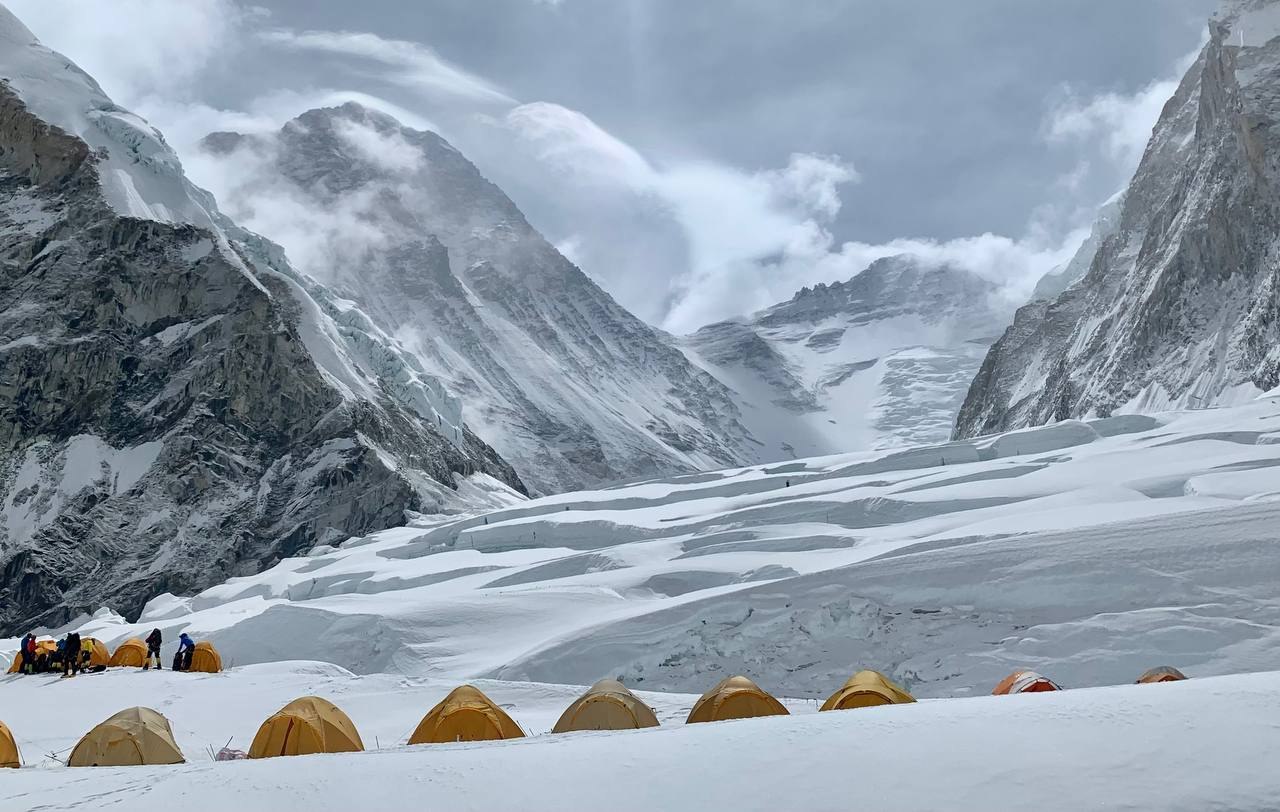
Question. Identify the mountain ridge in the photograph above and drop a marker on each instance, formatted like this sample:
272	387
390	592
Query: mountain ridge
177	410
559	377
1179	307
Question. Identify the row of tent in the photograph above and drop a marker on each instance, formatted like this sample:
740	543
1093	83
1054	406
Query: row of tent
132	653
314	725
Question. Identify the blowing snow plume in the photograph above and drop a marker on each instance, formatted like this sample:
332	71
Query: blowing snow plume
562	380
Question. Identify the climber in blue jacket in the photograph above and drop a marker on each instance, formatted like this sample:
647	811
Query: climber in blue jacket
182	657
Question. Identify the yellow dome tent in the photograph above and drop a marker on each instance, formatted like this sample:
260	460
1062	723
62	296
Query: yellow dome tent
42	647
1164	673
132	653
9	755
607	705
205	658
304	726
866	689
131	737
465	715
99	654
735	698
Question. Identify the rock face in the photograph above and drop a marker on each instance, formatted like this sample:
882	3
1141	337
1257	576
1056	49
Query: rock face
563	381
177	406
1179	307
881	360
1052	284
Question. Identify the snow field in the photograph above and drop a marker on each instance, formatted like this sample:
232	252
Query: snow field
1092	551
1195	745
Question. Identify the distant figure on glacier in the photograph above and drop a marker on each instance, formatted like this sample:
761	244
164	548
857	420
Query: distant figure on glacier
153	649
182	657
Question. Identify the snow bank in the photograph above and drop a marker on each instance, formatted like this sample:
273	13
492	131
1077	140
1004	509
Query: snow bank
1193	745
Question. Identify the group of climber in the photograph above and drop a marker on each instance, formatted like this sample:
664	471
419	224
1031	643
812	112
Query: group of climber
72	654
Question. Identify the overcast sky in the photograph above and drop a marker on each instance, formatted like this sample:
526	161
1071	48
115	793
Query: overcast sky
699	159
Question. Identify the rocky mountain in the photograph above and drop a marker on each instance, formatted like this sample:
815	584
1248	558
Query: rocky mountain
177	404
1180	306
1052	284
557	376
881	360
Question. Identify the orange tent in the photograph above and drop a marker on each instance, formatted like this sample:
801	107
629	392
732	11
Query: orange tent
465	715
9	755
867	689
42	647
1164	673
132	653
99	654
131	737
607	705
735	698
304	726
1025	682
205	658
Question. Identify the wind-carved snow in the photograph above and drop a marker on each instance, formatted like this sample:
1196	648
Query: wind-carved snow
1089	549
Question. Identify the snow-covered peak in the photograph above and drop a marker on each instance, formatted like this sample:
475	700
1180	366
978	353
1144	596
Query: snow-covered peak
140	174
555	374
888	287
876	361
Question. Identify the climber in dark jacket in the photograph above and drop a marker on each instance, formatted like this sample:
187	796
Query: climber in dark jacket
153	649
71	655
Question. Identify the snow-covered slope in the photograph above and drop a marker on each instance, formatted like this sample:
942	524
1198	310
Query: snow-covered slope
177	405
563	381
879	361
1189	746
1179	305
1091	551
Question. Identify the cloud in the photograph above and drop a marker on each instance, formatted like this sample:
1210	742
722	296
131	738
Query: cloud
813	182
408	64
574	145
1112	128
385	150
319	239
752	239
681	241
1121	124
137	48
